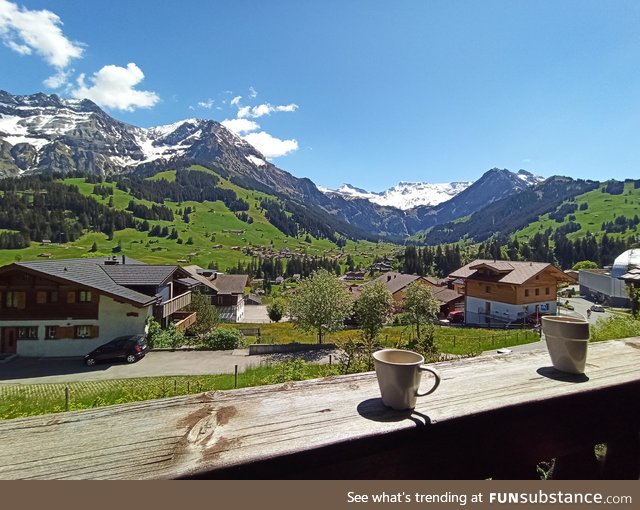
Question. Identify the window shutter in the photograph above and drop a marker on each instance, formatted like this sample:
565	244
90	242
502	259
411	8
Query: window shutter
71	297
65	332
41	297
21	300
95	331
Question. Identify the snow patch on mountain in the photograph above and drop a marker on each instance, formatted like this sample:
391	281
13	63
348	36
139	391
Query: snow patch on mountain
255	160
405	195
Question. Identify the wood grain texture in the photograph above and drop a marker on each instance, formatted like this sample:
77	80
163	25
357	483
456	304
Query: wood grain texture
305	428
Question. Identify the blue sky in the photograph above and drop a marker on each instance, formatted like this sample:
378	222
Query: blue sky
365	92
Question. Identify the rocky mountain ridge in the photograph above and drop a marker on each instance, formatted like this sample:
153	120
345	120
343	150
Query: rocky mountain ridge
44	133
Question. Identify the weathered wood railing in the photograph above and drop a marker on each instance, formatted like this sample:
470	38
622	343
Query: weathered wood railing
174	304
493	416
184	319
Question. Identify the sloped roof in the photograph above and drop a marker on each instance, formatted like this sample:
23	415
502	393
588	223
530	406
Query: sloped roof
445	295
395	282
221	283
230	283
139	274
193	272
86	272
507	271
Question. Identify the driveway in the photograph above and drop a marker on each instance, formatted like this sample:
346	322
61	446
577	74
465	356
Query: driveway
156	363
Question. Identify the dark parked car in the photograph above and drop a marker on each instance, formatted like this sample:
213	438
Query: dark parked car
456	317
128	348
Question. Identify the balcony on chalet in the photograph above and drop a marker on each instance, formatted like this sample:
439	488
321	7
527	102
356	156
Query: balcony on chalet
170	306
494	416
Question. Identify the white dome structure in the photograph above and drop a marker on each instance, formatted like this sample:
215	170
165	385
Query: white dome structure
628	260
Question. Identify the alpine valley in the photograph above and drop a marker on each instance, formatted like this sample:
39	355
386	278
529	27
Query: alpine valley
46	135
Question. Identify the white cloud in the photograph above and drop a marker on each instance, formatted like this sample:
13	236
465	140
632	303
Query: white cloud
57	80
208	104
114	87
25	31
236	100
253	93
265	109
270	146
240	126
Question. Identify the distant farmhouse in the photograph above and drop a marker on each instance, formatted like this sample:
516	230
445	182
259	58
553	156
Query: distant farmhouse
69	307
397	284
499	292
225	291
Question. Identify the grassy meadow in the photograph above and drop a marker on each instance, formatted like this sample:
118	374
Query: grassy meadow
603	207
205	228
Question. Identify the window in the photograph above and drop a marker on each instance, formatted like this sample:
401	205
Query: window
546	290
50	332
84	296
537	292
28	333
16	299
83	331
41	297
487	289
526	292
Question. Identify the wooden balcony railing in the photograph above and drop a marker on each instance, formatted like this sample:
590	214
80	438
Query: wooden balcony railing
184	319
170	306
493	416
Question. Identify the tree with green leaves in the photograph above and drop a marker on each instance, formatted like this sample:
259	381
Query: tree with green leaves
373	308
321	303
207	317
634	296
276	309
420	307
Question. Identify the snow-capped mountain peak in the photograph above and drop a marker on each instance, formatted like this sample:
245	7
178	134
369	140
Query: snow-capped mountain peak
41	132
404	195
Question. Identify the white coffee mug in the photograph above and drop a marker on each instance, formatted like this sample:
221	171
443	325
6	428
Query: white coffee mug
399	374
567	340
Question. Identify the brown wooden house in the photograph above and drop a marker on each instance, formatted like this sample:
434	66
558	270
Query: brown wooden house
499	292
68	307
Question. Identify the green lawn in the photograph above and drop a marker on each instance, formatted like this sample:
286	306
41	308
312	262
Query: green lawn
459	341
18	400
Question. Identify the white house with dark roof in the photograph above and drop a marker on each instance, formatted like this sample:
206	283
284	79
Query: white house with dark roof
69	307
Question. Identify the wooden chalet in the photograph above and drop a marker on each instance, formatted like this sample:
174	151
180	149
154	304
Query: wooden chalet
499	292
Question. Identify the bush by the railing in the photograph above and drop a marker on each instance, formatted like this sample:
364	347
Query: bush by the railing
223	339
159	338
614	328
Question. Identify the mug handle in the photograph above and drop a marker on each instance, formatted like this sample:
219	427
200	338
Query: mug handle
425	368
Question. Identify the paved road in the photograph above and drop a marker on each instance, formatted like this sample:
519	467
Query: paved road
156	363
41	370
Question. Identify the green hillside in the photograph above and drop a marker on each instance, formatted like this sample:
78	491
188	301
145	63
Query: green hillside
592	209
213	234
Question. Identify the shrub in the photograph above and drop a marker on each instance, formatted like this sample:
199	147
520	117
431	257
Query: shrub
159	338
614	328
223	339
